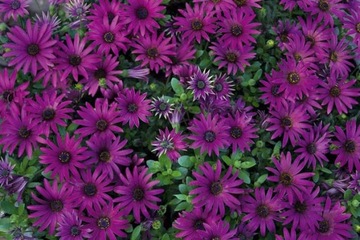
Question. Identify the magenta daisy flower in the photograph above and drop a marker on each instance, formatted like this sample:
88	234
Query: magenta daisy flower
50	110
291	4
237	27
218	6
19	131
189	223
106	222
75	57
32	49
284	29
140	16
314	146
219	230
14	8
161	106
107	36
247	5
71	227
291	181
107	154
340	94
183	53
197	22
54	203
46	19
63	158
154	50
201	84
288	121
209	133
232	58
352	24
136	193
261	210
169	143
333	224
6	170
271	93
325	9
222	87
133	106
108	9
348	143
90	189
215	191
101	120
304	214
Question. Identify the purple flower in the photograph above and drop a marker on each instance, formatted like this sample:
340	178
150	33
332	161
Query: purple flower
219	230
14	8
169	143
162	107
201	84
222	87
71	228
6	171
325	9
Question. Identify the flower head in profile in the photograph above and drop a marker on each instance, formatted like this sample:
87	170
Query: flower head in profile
136	192
71	227
6	171
46	19
14	8
169	143
214	191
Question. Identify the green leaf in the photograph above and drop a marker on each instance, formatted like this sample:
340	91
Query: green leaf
325	170
183	188
262	178
5	224
248	164
183	171
165	237
227	160
176	174
194	110
72	127
316	177
136	233
8	207
176	86
244	175
181	197
258	74
348	194
165	161
277	148
181	206
185	161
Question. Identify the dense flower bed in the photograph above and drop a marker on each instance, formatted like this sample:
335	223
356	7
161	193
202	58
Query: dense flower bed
195	120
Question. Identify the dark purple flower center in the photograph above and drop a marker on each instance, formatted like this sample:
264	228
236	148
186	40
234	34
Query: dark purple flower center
64	157
103	223
166	144
197	25
200	84
310	39
218	87
263	211
215	1
15	5
101	125
209	136
275	90
152	53
198	225
311	148
293	78
132	107
142	13
236	132
324	5
286	179
74	60
163	106
333	56
89	189
8	96
105	156
236	30
24	132
350	146
109	37
240	3
4	173
335	91
100	73
324	226
75	231
33	49
358	27
286	122
300	207
231	57
48	114
138	194
56	205
216	188
297	57
284	37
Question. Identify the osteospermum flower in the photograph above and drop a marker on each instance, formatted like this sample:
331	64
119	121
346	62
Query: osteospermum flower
154	51
106	221
197	22
46	19
134	106
51	206
19	131
71	227
50	110
6	170
271	92
64	157
288	121
234	59
75	57
101	120
348	143
32	49
247	5
136	193
77	9
222	87
237	27
162	107
140	16
215	191
169	143
90	189
218	6
107	154
325	9
298	48
291	4
284	29
352	23
261	210
219	230
108	9
14	8
184	51
201	84
340	94
209	133
189	223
